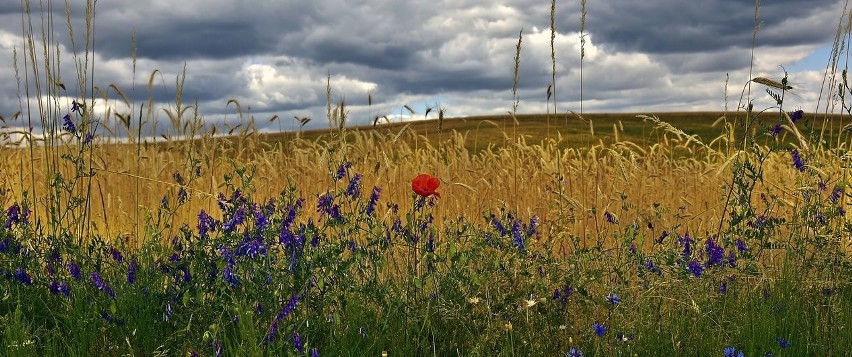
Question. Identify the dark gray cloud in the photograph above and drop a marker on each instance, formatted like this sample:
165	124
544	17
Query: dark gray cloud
275	56
673	26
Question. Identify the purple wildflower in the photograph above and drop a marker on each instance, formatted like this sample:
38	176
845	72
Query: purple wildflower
186	276
776	130
74	270
261	221
168	312
229	277
798	163
59	288
532	229
715	253
517	238
610	218
649	264
326	207
662	237
696	268
341	170
13	215
796	115
497	225
236	219
574	352
783	343
23	277
354	188
687	246
110	318
836	193
116	255
270	335
288	308
741	246
68	124
314	352
131	272
374	197
205	224
297	342
99	283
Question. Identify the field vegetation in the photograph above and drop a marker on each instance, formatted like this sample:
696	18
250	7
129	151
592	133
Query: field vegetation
718	233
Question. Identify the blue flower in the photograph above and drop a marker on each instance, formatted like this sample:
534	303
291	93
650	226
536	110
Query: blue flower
531	231
68	124
517	238
297	342
23	277
99	283
610	218
374	197
326	207
341	170
600	330
60	288
776	130
354	188
715	253
229	277
205	224
574	352
13	215
288	308
116	255
796	115
662	237
613	299
131	272
497	225
686	241
650	266
798	163
696	269
741	246
74	270
836	193
236	219
733	352
783	343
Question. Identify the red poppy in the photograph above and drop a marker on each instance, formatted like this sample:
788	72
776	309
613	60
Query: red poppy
425	185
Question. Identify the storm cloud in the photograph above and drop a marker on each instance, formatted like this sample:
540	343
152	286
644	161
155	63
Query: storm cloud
275	56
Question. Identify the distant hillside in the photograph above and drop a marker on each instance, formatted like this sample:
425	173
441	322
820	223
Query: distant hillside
590	129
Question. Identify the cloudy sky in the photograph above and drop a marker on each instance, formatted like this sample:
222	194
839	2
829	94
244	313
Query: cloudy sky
273	56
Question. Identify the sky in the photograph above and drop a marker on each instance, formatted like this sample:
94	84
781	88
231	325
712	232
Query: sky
274	57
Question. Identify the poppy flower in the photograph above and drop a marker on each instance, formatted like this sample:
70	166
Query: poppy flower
425	185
